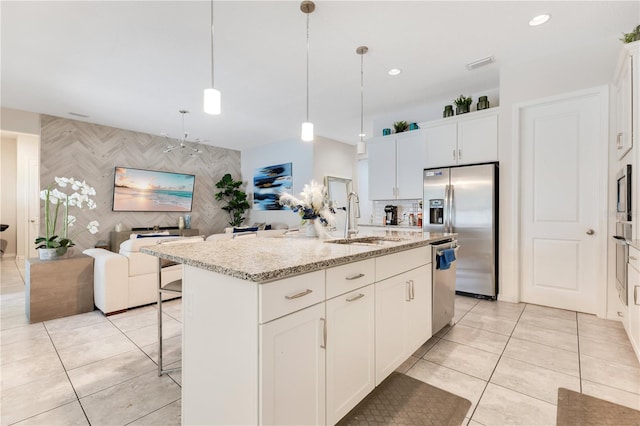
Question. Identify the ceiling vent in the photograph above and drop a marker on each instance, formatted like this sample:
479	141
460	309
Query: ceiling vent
77	114
480	63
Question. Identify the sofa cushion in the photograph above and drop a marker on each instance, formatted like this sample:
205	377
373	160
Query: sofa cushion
133	245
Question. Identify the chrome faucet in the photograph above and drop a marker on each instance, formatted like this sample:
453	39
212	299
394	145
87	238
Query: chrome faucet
347	222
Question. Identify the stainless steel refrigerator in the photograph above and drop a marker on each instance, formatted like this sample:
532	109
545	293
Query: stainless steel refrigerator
464	200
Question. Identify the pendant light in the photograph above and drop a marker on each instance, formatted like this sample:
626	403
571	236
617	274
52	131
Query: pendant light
362	147
212	98
307	7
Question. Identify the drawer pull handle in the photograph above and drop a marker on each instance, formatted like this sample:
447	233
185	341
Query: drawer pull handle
297	295
633	258
323	345
635	294
356	297
620	314
355	276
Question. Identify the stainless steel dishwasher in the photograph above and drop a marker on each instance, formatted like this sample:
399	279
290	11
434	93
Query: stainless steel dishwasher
444	287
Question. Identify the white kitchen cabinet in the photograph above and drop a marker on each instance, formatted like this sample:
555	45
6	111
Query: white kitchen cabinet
395	165
468	139
632	322
350	351
292	390
626	80
403	318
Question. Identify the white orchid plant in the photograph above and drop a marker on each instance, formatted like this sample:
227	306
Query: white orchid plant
55	200
312	204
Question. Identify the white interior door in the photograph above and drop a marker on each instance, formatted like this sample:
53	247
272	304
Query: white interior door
561	174
33	227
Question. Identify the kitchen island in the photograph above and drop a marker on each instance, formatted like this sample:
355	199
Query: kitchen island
291	330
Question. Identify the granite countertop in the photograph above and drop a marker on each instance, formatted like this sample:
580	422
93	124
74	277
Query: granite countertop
267	259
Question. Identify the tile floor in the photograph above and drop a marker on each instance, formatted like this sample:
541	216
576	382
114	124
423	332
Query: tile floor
507	359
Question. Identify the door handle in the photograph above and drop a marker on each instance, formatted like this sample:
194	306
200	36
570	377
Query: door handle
590	232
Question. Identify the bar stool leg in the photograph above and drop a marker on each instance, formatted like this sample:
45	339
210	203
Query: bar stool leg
159	324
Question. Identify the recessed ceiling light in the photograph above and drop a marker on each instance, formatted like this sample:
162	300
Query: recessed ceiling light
539	20
394	71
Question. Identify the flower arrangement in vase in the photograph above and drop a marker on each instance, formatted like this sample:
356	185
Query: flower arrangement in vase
57	239
313	207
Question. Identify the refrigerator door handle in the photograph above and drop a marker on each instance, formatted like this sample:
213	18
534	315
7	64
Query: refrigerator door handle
450	208
446	208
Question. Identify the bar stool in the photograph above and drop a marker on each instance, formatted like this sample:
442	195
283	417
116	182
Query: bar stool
172	288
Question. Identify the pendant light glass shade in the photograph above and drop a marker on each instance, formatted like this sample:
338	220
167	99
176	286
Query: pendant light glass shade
307	132
212	101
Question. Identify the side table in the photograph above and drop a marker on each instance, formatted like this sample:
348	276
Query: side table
58	288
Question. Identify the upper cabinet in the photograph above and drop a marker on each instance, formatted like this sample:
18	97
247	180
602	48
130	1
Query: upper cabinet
626	100
395	165
466	139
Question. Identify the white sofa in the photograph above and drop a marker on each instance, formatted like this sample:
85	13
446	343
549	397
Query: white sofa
129	278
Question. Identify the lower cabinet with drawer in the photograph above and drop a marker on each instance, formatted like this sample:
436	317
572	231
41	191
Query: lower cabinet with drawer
633	293
301	350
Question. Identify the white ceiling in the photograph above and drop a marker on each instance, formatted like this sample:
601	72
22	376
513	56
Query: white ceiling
134	64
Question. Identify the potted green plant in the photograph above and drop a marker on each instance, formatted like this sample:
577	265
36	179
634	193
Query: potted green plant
235	199
632	36
400	126
463	104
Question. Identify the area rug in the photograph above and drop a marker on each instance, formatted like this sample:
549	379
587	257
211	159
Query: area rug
579	409
403	400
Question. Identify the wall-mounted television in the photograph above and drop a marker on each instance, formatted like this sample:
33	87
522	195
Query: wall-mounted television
137	190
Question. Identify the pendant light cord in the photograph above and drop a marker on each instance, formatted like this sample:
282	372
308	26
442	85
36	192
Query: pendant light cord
361	97
212	43
307	67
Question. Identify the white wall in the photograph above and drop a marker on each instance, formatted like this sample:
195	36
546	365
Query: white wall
8	212
580	68
19	121
28	154
323	157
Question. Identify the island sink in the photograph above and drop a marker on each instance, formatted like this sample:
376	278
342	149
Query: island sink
371	240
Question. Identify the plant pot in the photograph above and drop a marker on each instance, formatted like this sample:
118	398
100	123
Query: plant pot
448	111
462	109
48	253
483	103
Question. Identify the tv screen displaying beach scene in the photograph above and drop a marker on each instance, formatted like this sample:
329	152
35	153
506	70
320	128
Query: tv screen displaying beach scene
137	190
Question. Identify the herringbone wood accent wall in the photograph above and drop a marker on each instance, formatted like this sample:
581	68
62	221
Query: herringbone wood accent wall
90	152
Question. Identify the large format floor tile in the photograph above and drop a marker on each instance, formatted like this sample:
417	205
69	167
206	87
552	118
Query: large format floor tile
553	338
450	380
543	356
169	415
489	323
463	358
36	397
29	370
534	319
94	377
550	312
603	332
68	415
130	400
628	399
614	352
537	382
76	356
477	338
500	406
610	374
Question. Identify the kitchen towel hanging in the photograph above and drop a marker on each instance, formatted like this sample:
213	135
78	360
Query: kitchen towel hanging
445	258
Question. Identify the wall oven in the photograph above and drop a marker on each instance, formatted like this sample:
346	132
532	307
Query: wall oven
623	235
623	194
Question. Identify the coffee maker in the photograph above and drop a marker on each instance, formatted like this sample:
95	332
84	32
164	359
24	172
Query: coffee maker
391	215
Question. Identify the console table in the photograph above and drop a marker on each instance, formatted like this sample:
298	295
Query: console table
118	237
58	288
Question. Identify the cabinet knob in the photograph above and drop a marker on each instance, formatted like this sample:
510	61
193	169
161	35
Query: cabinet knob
590	232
